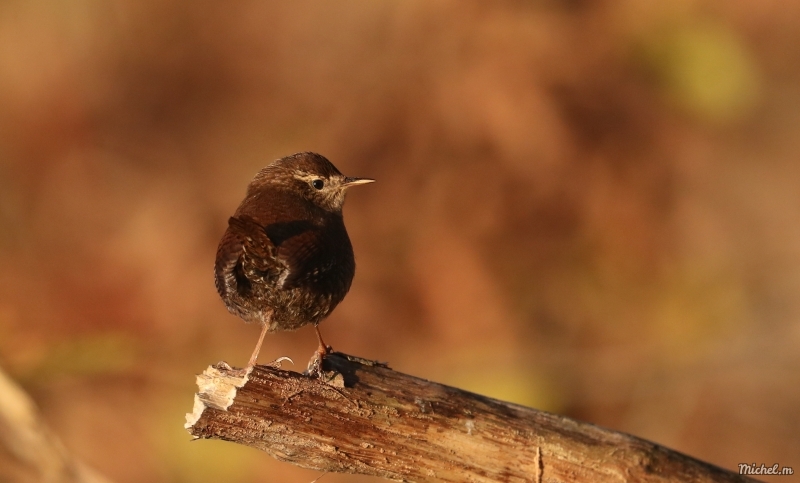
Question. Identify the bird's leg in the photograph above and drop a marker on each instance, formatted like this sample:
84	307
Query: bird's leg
323	349
254	357
315	364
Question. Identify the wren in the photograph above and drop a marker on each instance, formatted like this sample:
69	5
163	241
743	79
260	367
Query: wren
285	260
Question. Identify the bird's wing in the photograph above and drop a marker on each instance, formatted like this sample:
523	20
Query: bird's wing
245	254
301	248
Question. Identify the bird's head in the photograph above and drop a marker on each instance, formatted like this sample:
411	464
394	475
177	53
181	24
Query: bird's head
313	177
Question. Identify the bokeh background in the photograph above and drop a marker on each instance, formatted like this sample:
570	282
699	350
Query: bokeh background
591	208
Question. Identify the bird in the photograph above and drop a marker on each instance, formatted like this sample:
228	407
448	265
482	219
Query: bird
285	259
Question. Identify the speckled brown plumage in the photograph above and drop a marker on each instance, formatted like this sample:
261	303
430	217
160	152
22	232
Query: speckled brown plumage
285	260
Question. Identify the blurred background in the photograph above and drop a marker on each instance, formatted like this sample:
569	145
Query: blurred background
591	208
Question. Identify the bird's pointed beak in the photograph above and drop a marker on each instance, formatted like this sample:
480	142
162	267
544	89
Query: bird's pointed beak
348	181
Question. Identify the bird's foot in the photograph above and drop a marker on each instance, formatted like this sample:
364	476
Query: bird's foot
226	368
315	364
314	368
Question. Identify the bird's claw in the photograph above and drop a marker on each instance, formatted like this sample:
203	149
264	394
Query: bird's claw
314	368
277	362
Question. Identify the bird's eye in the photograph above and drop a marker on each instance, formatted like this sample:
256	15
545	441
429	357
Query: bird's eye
318	184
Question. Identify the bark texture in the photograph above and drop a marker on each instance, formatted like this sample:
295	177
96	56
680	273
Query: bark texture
366	418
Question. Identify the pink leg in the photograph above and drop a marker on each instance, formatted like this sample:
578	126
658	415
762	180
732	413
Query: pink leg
323	348
254	357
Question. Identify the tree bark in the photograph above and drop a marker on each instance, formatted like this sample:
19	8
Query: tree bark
362	417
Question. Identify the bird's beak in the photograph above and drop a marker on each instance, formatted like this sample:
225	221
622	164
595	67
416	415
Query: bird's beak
348	181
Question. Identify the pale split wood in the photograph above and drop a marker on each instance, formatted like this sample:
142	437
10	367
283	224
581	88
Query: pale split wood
366	418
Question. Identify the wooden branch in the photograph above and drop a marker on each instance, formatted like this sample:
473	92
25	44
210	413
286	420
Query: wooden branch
29	451
371	420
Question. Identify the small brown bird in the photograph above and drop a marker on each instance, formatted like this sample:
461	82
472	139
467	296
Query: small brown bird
285	260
